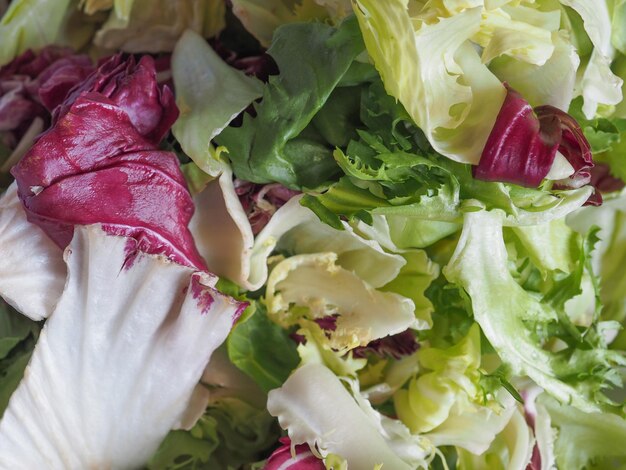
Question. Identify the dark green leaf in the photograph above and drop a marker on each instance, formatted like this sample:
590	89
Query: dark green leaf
263	351
261	150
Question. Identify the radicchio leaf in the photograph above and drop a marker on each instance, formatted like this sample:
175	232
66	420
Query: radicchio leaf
133	88
521	148
303	459
395	346
261	201
524	142
33	84
99	163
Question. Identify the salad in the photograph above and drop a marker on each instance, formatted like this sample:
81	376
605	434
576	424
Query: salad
312	234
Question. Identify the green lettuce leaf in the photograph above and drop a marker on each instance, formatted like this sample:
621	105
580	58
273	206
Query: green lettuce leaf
420	64
209	94
272	146
262	350
519	323
31	24
586	440
229	434
18	335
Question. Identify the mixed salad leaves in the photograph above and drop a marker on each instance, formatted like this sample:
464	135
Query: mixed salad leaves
313	234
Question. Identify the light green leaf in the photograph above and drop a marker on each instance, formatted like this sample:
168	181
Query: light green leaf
31	24
551	83
511	317
420	65
209	94
413	280
586	440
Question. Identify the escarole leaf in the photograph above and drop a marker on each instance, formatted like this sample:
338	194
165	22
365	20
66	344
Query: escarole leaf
420	65
315	408
599	84
268	147
314	287
517	322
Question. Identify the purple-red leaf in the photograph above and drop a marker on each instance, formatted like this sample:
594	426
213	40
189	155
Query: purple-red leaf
100	163
133	88
260	201
304	459
521	148
33	84
396	346
523	144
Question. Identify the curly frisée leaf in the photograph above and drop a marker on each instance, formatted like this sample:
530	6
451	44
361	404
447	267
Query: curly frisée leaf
515	320
117	361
